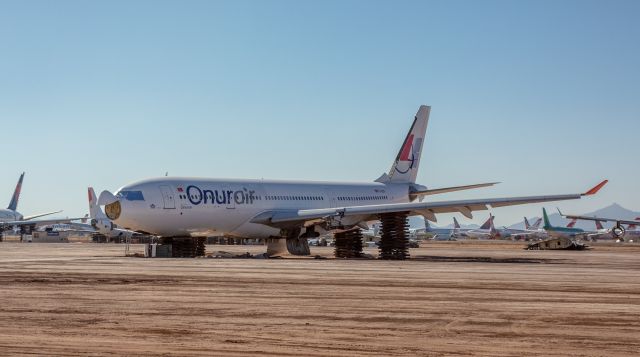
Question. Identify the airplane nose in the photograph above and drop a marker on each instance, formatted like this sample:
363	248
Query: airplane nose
112	205
113	210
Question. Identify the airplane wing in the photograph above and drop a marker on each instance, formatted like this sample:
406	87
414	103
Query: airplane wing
28	218
587	218
36	222
283	218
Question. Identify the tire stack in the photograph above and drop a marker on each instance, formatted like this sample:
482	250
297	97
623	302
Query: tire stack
348	244
394	243
200	248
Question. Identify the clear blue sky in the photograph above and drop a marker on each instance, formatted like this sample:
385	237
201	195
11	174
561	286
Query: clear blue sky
542	95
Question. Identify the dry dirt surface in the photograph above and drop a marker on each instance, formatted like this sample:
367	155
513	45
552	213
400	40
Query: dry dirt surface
452	298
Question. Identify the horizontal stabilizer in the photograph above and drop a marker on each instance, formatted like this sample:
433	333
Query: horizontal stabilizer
437	191
28	218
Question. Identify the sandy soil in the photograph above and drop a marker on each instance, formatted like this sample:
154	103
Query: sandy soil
453	298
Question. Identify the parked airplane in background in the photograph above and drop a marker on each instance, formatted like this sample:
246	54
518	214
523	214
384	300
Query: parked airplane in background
567	232
101	223
11	219
616	232
532	227
441	232
292	211
485	231
530	231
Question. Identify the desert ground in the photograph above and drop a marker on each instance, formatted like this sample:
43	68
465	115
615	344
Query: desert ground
451	298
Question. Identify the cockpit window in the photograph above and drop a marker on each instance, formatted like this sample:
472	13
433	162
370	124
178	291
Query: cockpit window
131	195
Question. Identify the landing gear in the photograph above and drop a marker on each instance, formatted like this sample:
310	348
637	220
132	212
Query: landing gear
618	232
348	243
289	242
394	243
185	247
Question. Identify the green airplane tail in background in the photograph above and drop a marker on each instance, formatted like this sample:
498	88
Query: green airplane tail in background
547	224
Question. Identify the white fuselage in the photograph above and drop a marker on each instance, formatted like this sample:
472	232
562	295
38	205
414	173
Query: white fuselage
7	215
480	234
173	207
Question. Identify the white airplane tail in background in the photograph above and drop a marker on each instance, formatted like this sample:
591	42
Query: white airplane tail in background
94	209
487	224
456	225
492	228
405	166
537	223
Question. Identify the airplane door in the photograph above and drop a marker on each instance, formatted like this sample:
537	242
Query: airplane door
168	197
331	197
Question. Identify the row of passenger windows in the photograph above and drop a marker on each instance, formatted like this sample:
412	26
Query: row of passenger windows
286	198
362	198
197	197
294	198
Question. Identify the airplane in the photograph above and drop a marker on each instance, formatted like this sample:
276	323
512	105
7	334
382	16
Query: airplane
632	231
616	232
532	227
530	231
437	231
568	232
482	232
101	224
11	219
286	213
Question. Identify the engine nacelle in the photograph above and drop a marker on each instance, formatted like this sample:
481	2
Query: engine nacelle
618	231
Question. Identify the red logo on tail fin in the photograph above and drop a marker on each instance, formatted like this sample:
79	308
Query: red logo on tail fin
406	149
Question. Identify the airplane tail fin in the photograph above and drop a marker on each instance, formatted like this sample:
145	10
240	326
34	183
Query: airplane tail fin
599	225
492	229
405	166
547	224
526	224
94	209
536	224
487	223
427	226
456	225
13	205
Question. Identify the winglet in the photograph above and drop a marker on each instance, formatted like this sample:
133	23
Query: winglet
560	212
595	189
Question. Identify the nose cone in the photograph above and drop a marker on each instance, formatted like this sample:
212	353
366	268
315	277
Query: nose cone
113	210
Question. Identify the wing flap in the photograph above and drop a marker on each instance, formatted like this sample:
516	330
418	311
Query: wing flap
426	209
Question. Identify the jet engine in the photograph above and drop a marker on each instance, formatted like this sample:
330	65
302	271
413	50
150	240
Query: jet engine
618	231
